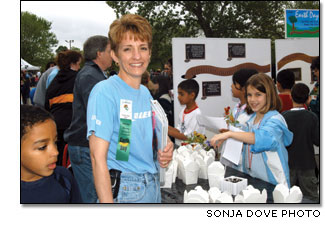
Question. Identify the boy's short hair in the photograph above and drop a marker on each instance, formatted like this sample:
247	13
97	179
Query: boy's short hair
286	78
242	75
300	93
190	86
31	115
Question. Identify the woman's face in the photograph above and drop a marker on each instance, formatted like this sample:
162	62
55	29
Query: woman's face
133	57
256	99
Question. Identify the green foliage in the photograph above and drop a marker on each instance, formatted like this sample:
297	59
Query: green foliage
293	19
61	48
75	49
302	5
313	32
221	19
36	40
165	22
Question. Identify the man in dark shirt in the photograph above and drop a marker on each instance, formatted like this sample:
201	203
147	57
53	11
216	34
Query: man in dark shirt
305	127
97	56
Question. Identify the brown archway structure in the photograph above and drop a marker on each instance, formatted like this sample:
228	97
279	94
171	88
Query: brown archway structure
208	69
294	57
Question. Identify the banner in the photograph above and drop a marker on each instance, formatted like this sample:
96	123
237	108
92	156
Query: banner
301	23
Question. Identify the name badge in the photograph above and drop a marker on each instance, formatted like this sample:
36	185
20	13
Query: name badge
124	135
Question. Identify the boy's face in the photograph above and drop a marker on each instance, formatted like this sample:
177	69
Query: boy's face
184	97
237	91
38	151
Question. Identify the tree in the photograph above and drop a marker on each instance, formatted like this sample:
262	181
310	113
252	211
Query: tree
36	40
293	20
303	5
221	19
165	22
75	49
61	48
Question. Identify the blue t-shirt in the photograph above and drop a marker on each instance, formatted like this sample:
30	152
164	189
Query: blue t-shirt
60	187
103	118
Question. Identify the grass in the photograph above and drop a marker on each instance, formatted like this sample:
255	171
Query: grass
290	34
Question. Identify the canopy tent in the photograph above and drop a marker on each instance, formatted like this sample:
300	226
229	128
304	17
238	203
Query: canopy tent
24	65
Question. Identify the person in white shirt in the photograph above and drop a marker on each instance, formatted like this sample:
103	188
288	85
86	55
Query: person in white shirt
187	120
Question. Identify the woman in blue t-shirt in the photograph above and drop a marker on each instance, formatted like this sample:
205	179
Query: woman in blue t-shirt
119	121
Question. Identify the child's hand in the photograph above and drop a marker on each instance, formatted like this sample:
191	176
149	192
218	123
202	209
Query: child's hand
218	139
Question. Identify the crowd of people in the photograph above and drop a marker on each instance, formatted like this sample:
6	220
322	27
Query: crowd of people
105	122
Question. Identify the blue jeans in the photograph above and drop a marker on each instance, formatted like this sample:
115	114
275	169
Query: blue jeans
83	172
139	188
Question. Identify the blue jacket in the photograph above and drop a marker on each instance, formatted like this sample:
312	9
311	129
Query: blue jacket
270	157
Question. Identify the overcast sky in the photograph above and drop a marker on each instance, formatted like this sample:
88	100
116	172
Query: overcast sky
73	20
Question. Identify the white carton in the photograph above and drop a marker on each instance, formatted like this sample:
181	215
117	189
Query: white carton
234	185
203	172
169	173
216	173
251	195
182	149
208	160
282	194
198	195
189	171
214	194
212	153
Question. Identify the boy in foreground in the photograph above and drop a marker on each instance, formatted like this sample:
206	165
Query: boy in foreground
40	180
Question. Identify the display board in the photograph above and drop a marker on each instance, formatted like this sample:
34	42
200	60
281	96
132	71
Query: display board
296	55
301	23
213	61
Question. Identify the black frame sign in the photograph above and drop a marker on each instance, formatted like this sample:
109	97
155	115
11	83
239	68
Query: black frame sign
236	50
211	88
194	51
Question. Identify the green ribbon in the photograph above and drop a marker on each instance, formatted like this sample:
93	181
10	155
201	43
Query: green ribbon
124	137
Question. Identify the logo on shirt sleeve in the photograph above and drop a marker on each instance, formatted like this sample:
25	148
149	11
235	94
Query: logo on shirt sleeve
98	122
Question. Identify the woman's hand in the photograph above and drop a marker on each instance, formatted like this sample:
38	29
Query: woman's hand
167	155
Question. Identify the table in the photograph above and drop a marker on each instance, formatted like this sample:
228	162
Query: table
175	194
